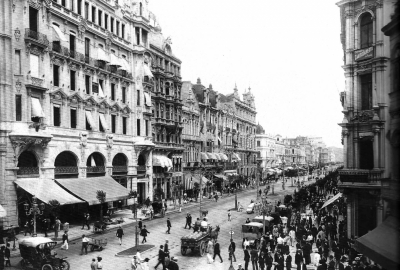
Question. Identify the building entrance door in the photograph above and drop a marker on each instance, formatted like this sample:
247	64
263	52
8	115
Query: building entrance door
141	190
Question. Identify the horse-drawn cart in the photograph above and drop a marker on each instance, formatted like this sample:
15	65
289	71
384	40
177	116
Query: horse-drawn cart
197	241
98	244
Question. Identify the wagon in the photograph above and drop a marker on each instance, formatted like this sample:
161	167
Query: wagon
197	241
98	244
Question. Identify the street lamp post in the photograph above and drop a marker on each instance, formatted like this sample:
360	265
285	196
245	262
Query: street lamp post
36	209
283	182
259	161
231	232
133	195
263	199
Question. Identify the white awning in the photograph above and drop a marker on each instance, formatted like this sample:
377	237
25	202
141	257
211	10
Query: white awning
223	156
147	71
89	118
331	200
203	156
102	55
92	162
114	60
101	92
147	99
37	110
124	65
236	157
163	161
103	121
59	33
212	156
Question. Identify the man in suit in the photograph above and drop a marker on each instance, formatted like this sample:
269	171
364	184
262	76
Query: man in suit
231	249
269	260
261	260
144	232
187	221
280	261
168	226
254	258
166	249
161	257
217	251
288	261
246	258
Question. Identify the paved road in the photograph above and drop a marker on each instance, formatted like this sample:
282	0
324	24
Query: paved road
217	216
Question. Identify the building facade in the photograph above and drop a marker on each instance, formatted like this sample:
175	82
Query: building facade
366	121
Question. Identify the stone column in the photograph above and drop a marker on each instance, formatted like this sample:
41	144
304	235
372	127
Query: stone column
376	148
345	135
356	152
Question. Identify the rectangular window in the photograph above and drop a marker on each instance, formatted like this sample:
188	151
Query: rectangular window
95	87
86	10
56	116
34	65
123	31
63	3
93	14
123	94
100	16
106	21
113	123
87	84
18	108
124	125
73	118
366	91
72	39
147	127
137	33
101	83
80	7
138	127
117	28
112	25
17	58
72	79
72	5
33	21
101	128
112	91
138	98
258	143
56	75
87	47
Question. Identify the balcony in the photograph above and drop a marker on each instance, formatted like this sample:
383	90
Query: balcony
230	167
56	47
96	169
120	169
36	37
357	176
63	170
77	56
28	171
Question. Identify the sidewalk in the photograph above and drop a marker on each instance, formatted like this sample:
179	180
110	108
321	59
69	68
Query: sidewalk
75	232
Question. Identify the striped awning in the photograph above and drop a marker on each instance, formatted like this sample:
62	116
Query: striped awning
204	156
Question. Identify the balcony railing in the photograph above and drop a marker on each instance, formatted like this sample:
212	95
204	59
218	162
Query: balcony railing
66	170
77	56
120	168
28	171
56	47
38	37
230	167
96	169
141	169
360	176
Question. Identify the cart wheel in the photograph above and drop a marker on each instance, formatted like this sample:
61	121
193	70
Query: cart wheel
183	251
91	248
100	248
64	265
47	267
202	249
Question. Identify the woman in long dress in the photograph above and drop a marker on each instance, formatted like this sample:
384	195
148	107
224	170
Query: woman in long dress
210	251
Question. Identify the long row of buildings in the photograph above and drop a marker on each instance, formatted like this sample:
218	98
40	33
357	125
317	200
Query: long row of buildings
370	178
277	151
91	98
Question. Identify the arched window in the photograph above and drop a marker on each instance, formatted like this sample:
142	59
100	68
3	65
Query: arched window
366	31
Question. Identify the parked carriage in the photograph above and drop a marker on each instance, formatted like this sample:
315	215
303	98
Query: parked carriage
197	241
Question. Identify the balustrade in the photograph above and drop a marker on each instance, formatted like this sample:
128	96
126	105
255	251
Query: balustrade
66	170
120	168
38	37
28	171
96	169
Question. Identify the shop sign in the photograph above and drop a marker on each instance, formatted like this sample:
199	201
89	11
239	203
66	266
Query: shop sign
364	54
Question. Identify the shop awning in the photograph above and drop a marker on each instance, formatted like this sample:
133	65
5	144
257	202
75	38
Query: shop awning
382	244
196	179
102	55
147	71
37	110
236	157
124	65
331	200
204	156
223	156
59	33
86	188
163	161
3	212
103	121
221	176
90	120
101	92
46	190
147	99
212	156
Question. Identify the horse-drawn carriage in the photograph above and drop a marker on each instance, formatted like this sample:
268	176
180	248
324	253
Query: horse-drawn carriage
197	241
36	253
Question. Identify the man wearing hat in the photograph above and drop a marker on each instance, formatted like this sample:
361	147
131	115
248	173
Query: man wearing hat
168	226
240	267
161	257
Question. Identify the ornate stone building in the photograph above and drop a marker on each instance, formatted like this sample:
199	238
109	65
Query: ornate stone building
75	106
366	121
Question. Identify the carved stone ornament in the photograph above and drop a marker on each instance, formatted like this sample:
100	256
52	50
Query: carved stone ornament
17	34
83	139
35	3
18	85
22	143
363	116
110	141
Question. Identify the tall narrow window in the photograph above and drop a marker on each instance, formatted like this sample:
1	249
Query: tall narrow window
123	94
95	87
106	21
72	82
101	128
124	122
18	108
87	84
113	123
138	127
112	25
366	91
86	10
63	3
366	31
100	17
80	7
123	31
56	116
33	22
112	91
17	58
87	50
56	75
72	5
72	45
137	33
141	9
73	118
138	98
34	65
93	14
147	127
117	28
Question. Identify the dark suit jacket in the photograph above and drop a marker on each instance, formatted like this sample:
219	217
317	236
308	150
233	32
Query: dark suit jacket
168	223
173	266
254	255
246	255
261	261
289	260
161	255
216	248
166	248
232	246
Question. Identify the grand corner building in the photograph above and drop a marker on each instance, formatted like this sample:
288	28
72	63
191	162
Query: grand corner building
369	129
75	106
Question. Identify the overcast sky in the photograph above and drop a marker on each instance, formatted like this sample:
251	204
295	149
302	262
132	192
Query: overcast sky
288	52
